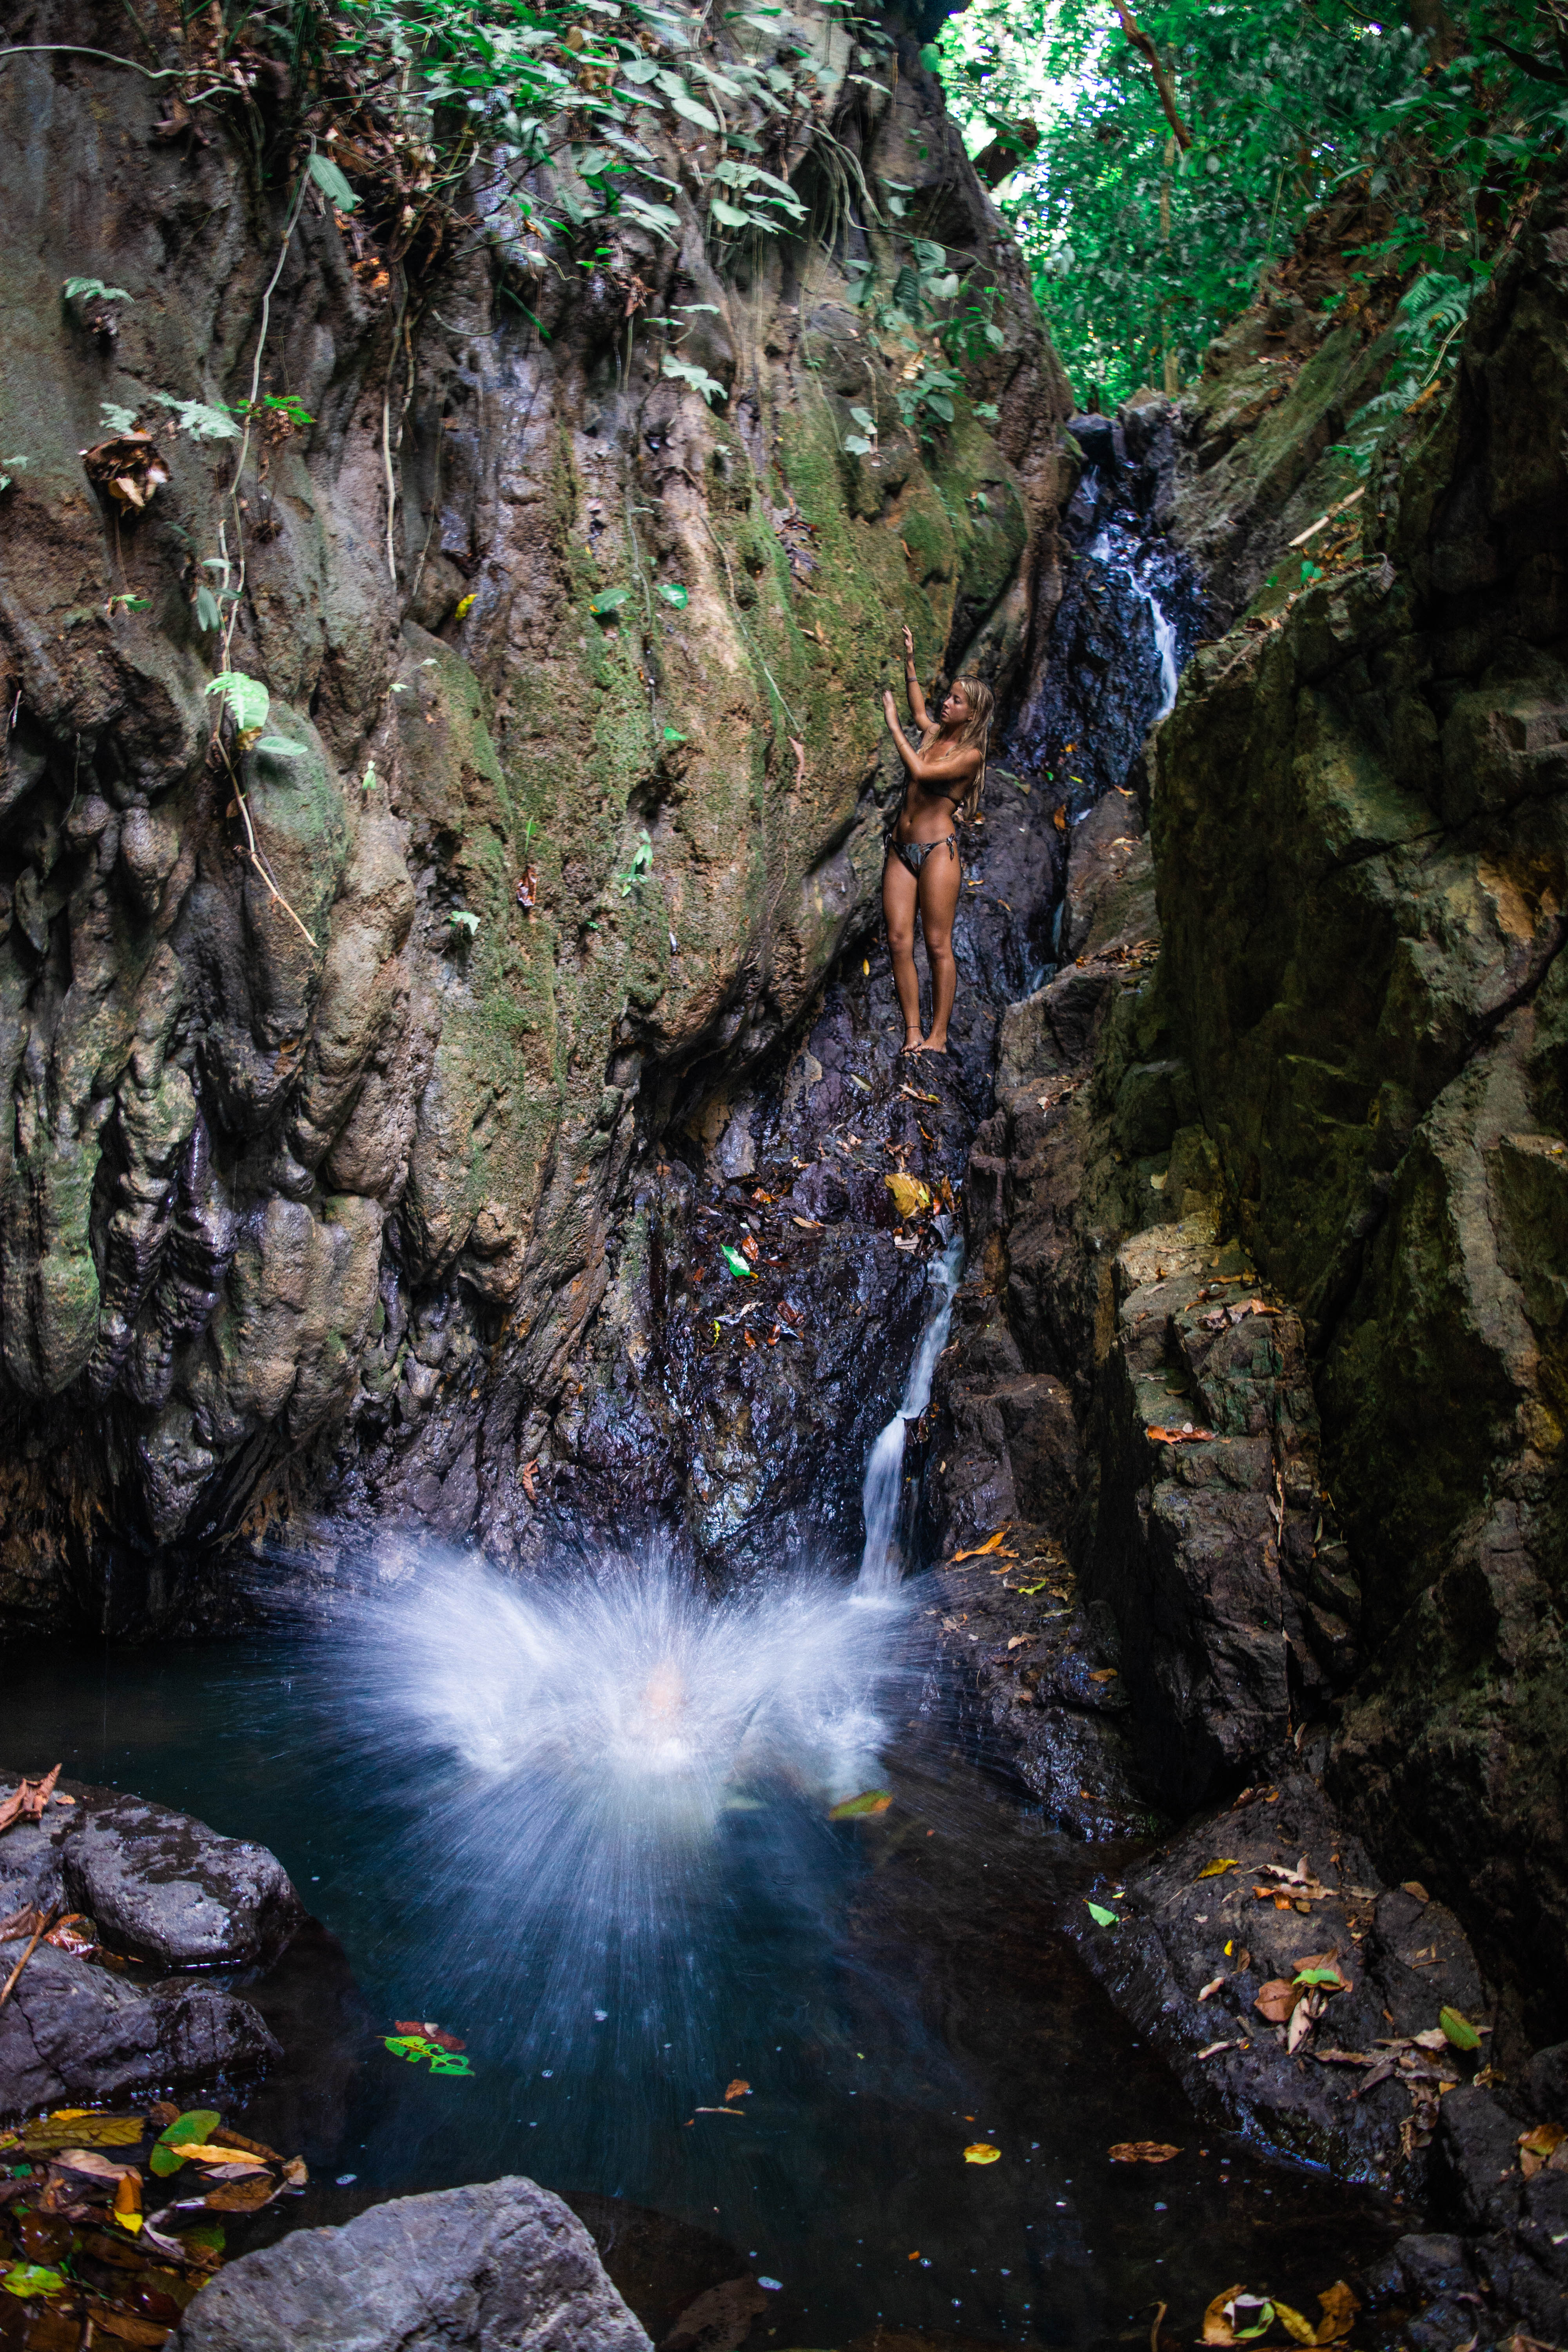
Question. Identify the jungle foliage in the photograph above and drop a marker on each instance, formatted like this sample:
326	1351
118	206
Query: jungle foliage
1147	214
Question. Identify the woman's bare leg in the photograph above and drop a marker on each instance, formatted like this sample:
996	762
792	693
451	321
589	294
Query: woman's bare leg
940	878
899	895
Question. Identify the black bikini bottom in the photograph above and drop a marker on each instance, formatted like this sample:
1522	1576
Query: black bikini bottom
912	854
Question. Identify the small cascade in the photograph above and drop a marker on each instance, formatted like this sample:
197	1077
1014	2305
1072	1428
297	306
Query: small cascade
1134	560
882	1566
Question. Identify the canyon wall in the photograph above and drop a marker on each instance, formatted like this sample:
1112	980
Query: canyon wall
315	1162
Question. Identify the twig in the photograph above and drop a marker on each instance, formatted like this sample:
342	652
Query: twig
250	404
74	49
260	864
5	1992
1155	2327
1139	40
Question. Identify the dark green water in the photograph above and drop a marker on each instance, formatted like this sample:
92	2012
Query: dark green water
892	1990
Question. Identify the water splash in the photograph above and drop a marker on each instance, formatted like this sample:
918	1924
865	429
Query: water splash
882	1562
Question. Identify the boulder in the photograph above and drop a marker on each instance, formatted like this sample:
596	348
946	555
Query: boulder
166	1886
160	1886
499	2265
74	2034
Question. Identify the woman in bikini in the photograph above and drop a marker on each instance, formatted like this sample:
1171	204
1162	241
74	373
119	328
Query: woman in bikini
946	775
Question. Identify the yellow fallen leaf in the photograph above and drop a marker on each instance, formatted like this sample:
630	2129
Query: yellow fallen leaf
1294	2322
909	1194
865	971
1215	1869
992	1543
1103	1674
1339	2310
465	607
981	2152
1218	2328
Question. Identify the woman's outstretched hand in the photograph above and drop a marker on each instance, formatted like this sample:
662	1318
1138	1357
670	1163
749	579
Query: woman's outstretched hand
908	645
890	707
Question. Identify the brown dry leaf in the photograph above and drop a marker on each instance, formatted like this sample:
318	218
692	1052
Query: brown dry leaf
1142	2151
1295	2323
527	1474
1413	1886
241	2196
1214	2048
738	2089
1211	1987
130	466
295	2173
26	1802
1340	2309
83	2160
911	1196
127	2198
1218	2328
125	2326
1018	1639
1103	1674
1177	1436
1276	2001
528	888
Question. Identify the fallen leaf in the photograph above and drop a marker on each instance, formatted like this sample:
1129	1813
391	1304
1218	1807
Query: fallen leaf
527	887
1017	1640
911	1196
32	2278
1099	1914
869	1800
1459	2030
736	1262
1211	1987
1535	2146
1217	1869
127	2201
50	2133
1216	2327
1327	1978
1305	2017
1214	2048
242	2196
130	466
126	2326
739	2090
1103	1674
1177	1436
981	2152
1413	1886
1142	2151
1339	2310
1295	2324
992	1543
1276	2000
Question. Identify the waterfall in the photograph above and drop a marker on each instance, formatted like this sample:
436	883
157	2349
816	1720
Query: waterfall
881	1568
1113	546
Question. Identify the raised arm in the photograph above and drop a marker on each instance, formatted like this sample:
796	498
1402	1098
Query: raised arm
954	766
918	711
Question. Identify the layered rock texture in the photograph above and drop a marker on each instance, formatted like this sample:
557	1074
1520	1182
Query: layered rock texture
315	1161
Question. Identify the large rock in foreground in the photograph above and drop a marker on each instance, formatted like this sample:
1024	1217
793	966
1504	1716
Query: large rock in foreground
498	2267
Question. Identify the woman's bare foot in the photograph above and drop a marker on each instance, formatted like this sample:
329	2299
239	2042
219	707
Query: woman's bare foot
913	1045
935	1044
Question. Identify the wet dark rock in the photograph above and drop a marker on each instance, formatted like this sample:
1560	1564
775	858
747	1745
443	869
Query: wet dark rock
1170	1944
161	1887
72	2033
494	2268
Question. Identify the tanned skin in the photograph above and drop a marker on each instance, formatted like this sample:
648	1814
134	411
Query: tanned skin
938	776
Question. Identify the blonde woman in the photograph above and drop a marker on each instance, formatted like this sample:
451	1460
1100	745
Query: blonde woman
945	775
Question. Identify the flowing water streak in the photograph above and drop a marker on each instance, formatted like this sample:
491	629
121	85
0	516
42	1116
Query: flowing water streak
1126	558
881	1568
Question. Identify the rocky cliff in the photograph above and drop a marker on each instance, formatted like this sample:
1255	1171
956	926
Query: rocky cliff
329	1051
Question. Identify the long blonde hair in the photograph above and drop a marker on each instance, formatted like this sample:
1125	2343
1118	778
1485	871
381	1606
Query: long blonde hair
977	728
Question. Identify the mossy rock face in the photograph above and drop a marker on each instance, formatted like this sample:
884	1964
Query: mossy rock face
328	1069
1361	826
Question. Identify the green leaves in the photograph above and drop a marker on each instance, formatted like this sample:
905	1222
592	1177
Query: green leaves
198	419
332	182
607	601
673	594
687	372
1100	1915
189	2130
462	919
279	747
247	700
736	1264
93	290
33	2278
856	1808
1459	2030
